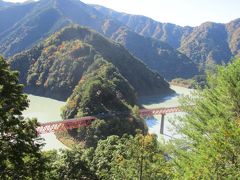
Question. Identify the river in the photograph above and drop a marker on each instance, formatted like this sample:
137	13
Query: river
169	101
46	109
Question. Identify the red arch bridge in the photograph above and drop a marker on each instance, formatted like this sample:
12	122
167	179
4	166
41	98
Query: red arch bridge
57	126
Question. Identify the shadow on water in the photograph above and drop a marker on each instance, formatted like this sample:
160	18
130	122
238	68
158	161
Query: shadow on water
171	121
148	100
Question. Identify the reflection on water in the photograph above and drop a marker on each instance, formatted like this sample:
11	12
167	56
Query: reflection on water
170	119
45	110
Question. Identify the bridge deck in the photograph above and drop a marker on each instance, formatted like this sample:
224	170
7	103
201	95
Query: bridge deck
57	126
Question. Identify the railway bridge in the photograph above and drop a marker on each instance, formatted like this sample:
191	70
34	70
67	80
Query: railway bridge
62	125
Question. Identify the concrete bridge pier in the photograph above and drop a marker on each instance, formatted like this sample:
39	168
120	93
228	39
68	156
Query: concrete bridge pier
162	124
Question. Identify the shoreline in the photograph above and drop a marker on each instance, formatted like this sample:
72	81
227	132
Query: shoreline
180	85
40	110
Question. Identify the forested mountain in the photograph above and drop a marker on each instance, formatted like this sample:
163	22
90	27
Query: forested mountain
25	25
233	29
209	134
167	32
98	76
103	91
54	67
205	44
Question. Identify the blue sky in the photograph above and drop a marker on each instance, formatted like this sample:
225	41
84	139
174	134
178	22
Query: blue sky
181	12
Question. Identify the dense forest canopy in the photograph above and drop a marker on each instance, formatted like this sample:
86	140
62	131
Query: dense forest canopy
103	92
211	128
25	25
100	62
207	44
208	151
54	67
20	155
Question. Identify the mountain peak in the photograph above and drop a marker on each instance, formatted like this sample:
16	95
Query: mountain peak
72	50
22	31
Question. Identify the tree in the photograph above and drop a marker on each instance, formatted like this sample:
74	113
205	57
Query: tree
131	157
141	158
68	164
106	94
210	149
20	155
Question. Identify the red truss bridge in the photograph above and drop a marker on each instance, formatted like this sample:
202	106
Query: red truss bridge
58	126
159	111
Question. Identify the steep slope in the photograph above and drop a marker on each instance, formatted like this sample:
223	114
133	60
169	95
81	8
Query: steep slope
166	32
11	15
206	44
31	27
106	94
233	29
157	55
54	67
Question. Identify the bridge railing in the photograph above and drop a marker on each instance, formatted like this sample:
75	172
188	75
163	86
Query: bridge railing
57	126
159	111
65	124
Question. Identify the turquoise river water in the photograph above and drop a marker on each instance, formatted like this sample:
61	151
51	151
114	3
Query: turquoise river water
46	109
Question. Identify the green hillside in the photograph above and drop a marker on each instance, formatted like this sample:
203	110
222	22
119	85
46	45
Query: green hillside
25	25
105	93
206	44
54	67
145	26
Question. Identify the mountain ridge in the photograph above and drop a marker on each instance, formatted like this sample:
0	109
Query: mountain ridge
30	29
54	67
198	43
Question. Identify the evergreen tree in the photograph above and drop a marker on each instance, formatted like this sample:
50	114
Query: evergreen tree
131	157
68	164
142	157
210	149
20	156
